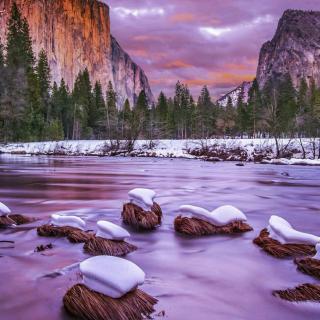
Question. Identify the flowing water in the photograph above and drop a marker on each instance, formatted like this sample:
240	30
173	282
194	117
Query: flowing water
218	277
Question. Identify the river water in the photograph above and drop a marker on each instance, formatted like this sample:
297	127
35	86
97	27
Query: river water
218	277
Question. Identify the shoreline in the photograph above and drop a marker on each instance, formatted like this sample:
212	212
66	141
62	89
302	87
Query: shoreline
260	151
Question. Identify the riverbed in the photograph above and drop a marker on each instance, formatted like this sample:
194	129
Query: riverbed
218	277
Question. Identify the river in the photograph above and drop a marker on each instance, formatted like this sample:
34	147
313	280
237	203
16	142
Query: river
218	277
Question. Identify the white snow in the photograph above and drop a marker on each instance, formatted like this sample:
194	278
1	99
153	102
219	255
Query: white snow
281	230
221	216
301	162
177	148
317	255
111	276
4	209
111	231
70	221
142	197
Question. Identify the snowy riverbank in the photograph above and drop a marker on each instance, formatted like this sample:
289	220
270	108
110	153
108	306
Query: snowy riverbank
257	150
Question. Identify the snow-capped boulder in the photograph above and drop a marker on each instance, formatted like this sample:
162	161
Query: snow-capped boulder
111	276
143	198
221	216
111	231
4	209
67	221
281	230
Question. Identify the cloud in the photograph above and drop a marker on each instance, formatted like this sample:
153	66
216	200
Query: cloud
217	32
182	17
177	64
199	42
138	12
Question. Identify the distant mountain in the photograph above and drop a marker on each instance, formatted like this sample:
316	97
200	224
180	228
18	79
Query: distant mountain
76	34
294	49
234	95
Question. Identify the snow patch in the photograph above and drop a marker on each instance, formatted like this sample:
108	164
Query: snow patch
220	217
4	209
142	197
111	276
281	230
111	231
67	221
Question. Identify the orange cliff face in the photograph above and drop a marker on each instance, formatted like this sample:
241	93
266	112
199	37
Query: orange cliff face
76	35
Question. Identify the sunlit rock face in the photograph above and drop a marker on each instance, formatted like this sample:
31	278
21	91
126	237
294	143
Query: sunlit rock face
75	35
294	50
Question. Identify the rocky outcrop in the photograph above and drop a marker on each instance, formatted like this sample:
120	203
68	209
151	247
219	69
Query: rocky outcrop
294	50
234	95
129	78
75	35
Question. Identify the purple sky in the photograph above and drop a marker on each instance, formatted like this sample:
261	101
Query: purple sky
212	42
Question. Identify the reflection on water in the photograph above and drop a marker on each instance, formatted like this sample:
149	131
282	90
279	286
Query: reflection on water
208	278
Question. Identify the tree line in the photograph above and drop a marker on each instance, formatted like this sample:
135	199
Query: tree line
32	109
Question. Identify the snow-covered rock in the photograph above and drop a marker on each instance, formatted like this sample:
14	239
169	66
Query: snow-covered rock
111	276
67	221
221	216
4	209
281	230
111	231
142	197
317	255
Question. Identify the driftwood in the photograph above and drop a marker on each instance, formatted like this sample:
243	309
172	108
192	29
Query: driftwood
279	250
99	246
18	219
136	217
83	303
304	292
198	227
309	266
74	235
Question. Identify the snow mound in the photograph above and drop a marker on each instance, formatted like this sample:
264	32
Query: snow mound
317	255
281	230
111	231
67	221
111	276
4	209
142	197
221	216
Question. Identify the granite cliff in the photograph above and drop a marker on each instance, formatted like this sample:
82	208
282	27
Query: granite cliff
76	34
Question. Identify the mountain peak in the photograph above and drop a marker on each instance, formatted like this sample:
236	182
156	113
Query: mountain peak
294	49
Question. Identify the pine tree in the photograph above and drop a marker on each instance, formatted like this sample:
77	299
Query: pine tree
62	108
206	114
44	80
254	110
21	101
97	114
82	104
161	115
242	117
111	112
142	115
